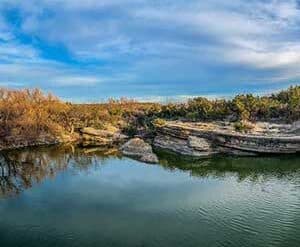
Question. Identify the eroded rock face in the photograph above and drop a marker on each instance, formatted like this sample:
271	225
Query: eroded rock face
189	147
296	128
139	149
13	142
199	143
203	139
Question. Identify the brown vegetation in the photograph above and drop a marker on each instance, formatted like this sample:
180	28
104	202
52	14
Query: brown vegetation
30	113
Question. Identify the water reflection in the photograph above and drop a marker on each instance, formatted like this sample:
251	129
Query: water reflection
20	170
94	197
251	168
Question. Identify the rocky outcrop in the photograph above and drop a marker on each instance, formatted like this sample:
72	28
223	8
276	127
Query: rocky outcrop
139	149
191	146
204	139
86	137
15	142
24	141
200	144
296	128
96	137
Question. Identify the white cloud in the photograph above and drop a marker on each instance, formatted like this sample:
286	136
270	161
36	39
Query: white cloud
76	81
46	75
136	39
284	58
15	52
110	29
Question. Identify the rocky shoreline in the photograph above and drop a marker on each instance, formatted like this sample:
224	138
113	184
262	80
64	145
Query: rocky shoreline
25	142
184	138
205	139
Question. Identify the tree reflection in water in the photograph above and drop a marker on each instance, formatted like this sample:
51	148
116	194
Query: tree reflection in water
20	170
251	168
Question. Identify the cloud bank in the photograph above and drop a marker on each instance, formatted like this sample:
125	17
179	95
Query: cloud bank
151	48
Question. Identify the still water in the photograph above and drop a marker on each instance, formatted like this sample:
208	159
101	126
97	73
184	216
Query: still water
68	197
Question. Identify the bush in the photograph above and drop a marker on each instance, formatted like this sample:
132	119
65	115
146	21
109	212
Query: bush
243	126
159	122
30	112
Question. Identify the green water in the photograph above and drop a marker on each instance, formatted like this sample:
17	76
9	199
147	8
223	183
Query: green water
69	197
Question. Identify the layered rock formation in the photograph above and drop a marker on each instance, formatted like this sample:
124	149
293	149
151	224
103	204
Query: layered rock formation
203	139
190	146
12	142
97	137
139	149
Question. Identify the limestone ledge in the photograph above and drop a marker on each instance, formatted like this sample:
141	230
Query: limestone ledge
204	139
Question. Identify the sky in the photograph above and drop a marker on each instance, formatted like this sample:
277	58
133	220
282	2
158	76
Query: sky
91	50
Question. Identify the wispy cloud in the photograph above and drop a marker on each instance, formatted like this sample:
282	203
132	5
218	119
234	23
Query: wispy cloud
146	44
76	81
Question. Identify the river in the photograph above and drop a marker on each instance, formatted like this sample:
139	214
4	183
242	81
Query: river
69	197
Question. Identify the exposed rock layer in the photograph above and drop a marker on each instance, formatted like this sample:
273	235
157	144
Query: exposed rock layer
196	139
25	141
182	146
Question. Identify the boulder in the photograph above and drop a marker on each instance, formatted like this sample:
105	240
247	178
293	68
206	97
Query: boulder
95	137
139	149
96	132
103	133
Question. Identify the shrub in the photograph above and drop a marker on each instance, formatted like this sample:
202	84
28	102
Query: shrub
30	112
159	122
243	126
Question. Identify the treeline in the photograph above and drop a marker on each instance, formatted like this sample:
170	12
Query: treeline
31	113
283	106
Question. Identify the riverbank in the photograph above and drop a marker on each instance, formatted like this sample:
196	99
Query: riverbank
198	127
194	139
20	142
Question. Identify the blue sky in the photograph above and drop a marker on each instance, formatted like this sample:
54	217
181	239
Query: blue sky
152	50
